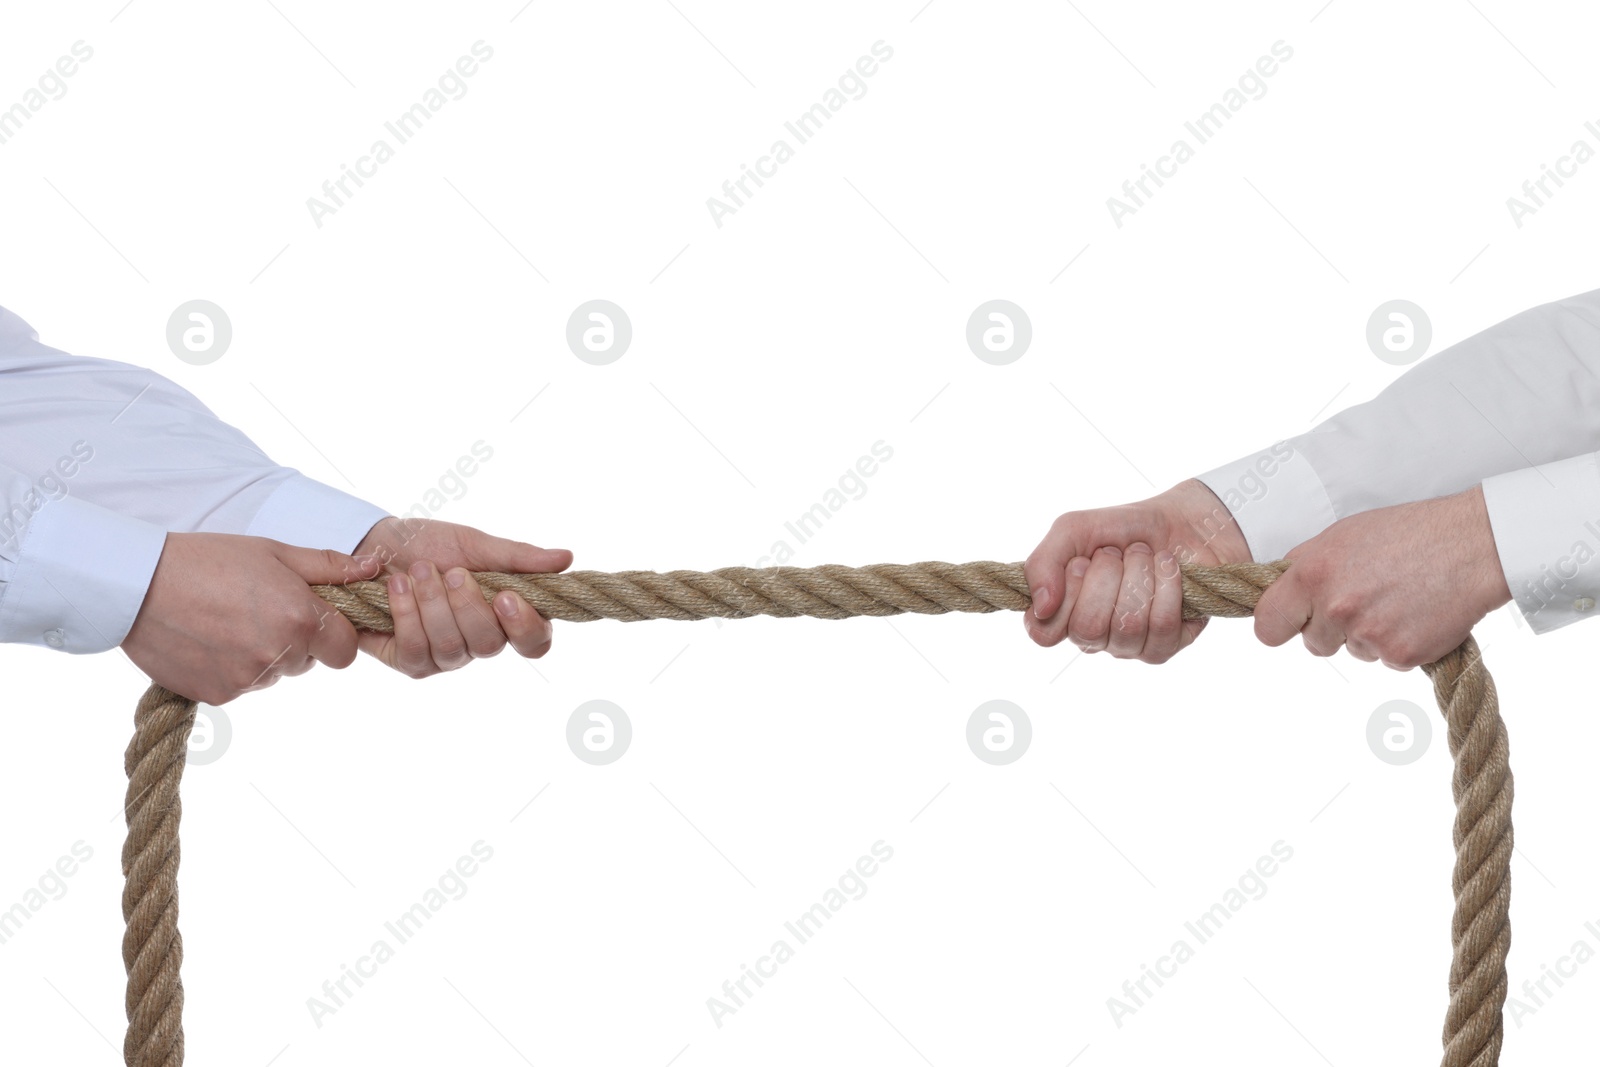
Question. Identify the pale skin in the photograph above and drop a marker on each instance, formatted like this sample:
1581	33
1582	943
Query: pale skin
213	648
1400	585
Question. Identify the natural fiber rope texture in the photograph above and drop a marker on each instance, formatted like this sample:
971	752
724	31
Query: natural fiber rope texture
152	948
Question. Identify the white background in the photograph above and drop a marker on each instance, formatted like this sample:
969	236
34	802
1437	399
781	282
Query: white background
768	354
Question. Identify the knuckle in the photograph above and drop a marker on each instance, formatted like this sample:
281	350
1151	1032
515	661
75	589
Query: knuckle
238	686
1405	653
1087	632
488	645
1164	622
1040	636
303	625
1344	607
257	665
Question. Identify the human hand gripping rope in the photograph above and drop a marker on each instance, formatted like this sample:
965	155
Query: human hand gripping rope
152	948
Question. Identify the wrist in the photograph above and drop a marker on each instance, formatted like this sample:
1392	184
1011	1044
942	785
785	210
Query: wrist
384	540
1209	521
1472	527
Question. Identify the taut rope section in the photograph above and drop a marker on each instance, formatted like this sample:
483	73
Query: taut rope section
152	948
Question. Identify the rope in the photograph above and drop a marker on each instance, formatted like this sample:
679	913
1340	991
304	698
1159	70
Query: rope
1480	932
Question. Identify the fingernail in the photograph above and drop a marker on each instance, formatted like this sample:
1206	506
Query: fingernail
1112	550
1038	602
398	585
421	569
1078	567
506	605
454	577
1138	546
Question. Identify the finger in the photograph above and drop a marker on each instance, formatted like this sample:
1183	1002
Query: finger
1071	535
1090	624
485	552
1052	631
1322	636
265	680
447	647
323	566
1191	630
332	638
287	662
1130	617
1282	610
1045	572
474	618
1361	650
1164	634
381	647
528	631
408	651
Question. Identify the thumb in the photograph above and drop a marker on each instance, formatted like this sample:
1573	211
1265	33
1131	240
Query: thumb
485	552
324	566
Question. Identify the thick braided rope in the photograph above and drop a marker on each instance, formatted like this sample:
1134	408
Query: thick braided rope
152	948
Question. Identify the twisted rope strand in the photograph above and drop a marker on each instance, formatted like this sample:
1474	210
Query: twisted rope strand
152	948
1480	930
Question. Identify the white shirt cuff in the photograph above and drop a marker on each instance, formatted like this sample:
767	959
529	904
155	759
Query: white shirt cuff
305	512
1276	498
81	574
1546	523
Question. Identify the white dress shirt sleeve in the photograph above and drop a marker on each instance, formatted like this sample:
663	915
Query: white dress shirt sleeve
1516	408
72	574
101	460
